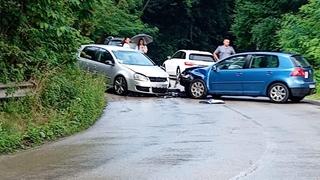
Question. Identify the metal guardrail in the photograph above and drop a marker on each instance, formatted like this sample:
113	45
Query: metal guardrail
16	89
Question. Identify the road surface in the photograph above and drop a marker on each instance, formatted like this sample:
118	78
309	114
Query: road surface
176	138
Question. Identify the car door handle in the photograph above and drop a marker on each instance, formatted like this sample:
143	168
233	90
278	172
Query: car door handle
269	73
238	74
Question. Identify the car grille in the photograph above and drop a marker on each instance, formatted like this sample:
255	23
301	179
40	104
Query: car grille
158	79
144	89
159	90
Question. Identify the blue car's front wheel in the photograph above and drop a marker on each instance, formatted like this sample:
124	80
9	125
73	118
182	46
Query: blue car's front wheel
197	89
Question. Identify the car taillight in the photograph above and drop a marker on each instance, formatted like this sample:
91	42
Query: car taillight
188	64
298	72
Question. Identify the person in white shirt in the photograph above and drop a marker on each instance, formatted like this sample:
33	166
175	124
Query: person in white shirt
141	46
125	42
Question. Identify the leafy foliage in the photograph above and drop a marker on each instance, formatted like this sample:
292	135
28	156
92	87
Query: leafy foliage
256	22
66	102
39	35
300	32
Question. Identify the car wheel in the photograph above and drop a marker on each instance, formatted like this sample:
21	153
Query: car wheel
178	72
120	86
296	99
197	89
278	93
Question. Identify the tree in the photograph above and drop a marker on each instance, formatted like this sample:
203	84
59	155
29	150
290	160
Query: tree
40	35
256	22
187	24
35	35
300	32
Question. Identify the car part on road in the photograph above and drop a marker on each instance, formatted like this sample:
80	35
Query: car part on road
212	101
197	89
120	86
278	93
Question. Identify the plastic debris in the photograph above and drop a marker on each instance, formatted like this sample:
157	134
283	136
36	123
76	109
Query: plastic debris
212	101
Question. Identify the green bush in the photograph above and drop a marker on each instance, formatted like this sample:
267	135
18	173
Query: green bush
67	101
300	32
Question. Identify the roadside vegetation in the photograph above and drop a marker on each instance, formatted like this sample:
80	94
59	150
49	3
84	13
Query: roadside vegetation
39	40
65	102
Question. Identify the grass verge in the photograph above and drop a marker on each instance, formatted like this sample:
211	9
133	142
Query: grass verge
66	101
317	77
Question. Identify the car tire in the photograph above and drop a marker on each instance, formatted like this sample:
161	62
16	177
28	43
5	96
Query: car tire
120	86
296	99
278	93
178	72
197	89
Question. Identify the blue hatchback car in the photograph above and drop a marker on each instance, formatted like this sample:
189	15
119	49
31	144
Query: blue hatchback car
279	76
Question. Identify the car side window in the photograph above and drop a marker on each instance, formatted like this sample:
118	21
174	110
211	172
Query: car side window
105	56
237	62
89	53
183	55
264	61
179	55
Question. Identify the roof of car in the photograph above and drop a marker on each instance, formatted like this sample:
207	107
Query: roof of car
197	52
284	54
108	47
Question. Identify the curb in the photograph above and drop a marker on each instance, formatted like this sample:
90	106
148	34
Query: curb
314	102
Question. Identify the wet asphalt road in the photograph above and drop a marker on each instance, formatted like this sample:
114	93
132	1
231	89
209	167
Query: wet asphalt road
175	138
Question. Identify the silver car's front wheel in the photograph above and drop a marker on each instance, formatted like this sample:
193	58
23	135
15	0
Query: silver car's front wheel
197	89
279	93
120	86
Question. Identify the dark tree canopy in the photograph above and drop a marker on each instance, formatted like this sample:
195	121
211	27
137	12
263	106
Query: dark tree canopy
188	24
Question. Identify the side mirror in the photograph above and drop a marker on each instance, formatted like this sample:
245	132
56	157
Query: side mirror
109	62
169	57
214	68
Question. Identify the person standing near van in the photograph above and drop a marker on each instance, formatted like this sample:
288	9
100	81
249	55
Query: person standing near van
223	51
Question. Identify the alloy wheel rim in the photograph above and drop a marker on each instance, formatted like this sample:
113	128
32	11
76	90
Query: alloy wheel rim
278	93
120	85
197	89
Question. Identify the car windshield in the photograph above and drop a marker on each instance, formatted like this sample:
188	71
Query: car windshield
300	61
201	57
132	58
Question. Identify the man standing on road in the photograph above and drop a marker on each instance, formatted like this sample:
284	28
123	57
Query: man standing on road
223	51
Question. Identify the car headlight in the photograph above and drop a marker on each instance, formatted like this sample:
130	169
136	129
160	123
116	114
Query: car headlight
140	77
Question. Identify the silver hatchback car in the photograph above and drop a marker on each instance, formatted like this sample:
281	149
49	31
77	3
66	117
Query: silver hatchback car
126	69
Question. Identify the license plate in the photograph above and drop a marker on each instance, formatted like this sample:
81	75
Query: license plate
306	75
161	86
312	86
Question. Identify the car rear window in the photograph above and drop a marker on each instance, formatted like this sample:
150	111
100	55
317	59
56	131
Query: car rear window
201	57
300	61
